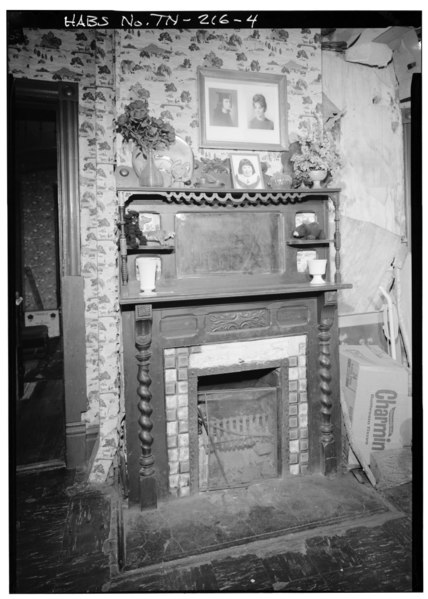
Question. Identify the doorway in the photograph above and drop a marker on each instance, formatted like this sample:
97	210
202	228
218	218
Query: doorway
40	410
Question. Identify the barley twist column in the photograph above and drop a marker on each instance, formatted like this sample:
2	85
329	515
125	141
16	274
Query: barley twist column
143	341
328	445
335	198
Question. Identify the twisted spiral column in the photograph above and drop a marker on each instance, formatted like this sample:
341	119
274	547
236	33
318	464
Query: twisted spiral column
328	446
143	341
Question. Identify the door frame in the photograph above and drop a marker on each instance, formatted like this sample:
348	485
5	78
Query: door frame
65	98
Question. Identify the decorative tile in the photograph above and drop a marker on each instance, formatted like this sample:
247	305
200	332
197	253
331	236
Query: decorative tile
183	426
172	442
292	410
303	420
293	373
294	446
173	481
183	360
292	361
170	375
170	388
304	443
171	428
183	453
169	361
183	400
303	408
294	433
183	413
171	415
172	455
184	467
173	467
183	440
294	458
182	387
171	402
304	457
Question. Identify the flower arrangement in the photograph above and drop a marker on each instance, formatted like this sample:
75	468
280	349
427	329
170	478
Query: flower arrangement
147	132
318	151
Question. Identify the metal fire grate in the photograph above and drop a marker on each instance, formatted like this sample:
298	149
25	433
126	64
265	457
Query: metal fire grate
238	442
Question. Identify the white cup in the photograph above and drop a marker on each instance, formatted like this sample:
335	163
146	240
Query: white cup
147	269
317	269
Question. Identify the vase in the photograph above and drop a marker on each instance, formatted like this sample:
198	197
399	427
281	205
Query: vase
147	267
317	269
316	177
147	172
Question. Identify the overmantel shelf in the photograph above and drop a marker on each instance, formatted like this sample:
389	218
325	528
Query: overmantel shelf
230	199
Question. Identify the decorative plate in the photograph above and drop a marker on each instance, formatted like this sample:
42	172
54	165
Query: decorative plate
175	163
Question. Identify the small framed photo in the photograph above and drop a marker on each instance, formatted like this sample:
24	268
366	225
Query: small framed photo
242	110
246	171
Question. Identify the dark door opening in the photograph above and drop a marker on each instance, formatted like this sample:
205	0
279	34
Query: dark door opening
40	417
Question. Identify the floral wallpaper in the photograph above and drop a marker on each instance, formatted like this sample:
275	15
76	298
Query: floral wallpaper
116	66
161	66
38	230
87	57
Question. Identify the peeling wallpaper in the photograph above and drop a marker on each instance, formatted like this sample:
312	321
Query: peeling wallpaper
372	179
114	67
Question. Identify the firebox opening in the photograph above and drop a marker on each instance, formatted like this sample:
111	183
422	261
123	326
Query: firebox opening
238	420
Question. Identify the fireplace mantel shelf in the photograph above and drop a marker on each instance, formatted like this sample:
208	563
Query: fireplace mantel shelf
131	296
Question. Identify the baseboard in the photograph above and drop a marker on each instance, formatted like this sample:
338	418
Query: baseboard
80	438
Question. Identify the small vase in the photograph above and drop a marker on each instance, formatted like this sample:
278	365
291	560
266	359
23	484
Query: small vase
317	176
148	268
148	175
317	269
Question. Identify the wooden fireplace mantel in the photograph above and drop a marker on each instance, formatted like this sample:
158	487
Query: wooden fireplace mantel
188	313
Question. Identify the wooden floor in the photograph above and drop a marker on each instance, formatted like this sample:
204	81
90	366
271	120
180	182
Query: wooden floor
65	543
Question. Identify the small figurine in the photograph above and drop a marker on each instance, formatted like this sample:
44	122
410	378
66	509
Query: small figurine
309	231
161	237
134	236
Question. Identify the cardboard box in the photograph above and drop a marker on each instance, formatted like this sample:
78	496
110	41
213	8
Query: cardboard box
376	403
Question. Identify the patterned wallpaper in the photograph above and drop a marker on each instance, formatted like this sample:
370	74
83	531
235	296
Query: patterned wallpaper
87	57
38	229
162	67
118	66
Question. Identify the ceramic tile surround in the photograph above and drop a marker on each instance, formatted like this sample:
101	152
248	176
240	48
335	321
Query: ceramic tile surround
178	361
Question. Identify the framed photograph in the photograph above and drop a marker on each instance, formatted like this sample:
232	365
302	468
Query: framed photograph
242	110
246	171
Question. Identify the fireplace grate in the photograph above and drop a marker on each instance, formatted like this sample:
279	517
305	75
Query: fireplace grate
239	438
